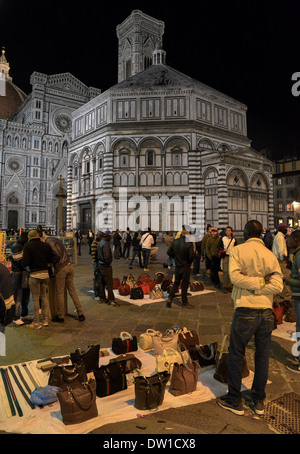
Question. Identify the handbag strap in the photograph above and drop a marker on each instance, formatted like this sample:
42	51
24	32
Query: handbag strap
212	352
87	386
152	332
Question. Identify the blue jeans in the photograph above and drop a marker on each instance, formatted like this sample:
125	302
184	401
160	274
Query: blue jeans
246	323
146	255
297	314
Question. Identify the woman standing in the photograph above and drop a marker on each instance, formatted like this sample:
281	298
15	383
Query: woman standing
90	239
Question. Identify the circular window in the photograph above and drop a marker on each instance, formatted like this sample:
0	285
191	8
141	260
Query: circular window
63	123
14	165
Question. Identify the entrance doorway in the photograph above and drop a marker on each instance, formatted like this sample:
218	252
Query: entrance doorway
12	221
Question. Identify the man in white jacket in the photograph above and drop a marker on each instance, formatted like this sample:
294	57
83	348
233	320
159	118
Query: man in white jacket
256	276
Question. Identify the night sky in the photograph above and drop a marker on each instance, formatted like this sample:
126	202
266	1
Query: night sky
248	50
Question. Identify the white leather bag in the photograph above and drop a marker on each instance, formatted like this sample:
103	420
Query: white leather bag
166	360
162	342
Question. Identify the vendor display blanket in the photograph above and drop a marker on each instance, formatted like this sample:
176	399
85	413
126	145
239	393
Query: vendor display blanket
111	409
148	300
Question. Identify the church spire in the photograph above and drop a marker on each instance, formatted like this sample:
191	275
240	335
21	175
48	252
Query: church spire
159	55
4	65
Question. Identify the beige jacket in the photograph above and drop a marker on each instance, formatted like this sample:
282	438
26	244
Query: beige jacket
249	263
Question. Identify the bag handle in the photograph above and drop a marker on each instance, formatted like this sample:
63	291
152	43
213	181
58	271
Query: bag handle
124	335
223	343
86	386
185	331
152	332
212	351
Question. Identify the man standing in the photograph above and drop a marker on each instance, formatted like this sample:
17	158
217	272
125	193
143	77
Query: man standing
64	276
182	251
147	241
279	248
256	277
212	253
127	243
37	256
104	256
294	282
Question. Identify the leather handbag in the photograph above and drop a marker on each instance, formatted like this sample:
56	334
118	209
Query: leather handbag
110	379
150	391
145	287
159	277
188	338
144	277
78	404
196	286
146	339
130	281
65	376
136	293
278	311
166	360
166	282
221	363
162	342
116	283
90	357
124	344
184	378
156	293
124	288
151	284
204	354
130	362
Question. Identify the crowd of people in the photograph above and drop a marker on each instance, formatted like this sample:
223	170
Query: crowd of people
261	271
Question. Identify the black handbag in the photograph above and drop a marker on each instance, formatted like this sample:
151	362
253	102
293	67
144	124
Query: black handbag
90	357
68	376
124	344
136	293
110	379
150	391
130	362
204	354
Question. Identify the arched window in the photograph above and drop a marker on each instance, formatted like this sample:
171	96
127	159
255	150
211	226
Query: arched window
150	158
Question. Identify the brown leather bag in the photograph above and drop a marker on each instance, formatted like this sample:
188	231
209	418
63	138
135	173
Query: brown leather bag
68	376
184	378
78	404
124	288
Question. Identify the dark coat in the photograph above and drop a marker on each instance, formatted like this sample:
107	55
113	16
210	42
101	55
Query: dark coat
38	255
7	303
182	251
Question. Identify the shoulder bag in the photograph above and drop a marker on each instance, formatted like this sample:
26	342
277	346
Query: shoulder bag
110	379
156	293
65	376
136	293
196	286
146	339
221	363
124	288
184	378
161	342
124	344
90	357
116	283
150	391
204	354
188	338
166	360
130	362
78	404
